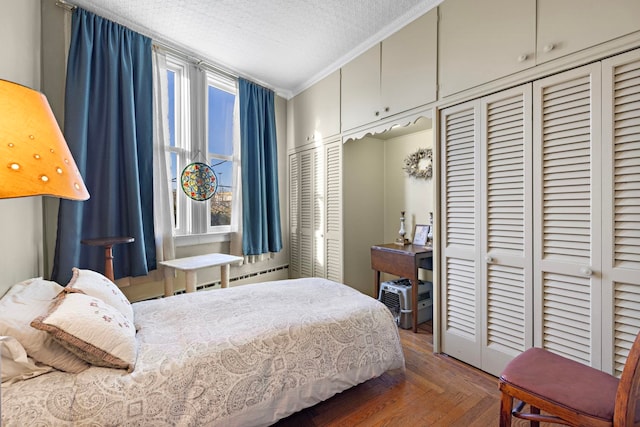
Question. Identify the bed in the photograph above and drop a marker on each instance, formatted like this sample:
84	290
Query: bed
242	356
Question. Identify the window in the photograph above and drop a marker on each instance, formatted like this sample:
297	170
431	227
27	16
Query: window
201	129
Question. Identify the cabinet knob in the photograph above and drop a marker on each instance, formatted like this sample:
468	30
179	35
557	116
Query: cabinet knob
522	58
488	259
586	271
386	109
548	48
377	113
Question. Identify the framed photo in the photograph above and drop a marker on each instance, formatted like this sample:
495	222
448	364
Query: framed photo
420	233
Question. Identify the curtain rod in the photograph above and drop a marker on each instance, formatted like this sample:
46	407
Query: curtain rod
68	6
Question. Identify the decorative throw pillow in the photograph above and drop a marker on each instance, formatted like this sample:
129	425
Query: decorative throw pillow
15	364
92	329
96	285
18	307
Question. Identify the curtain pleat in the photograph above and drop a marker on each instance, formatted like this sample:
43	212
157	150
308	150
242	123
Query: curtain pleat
261	230
109	129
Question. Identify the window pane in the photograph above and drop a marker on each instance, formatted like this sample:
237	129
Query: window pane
220	121
221	201
171	79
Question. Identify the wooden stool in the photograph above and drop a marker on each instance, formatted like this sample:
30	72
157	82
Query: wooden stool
108	243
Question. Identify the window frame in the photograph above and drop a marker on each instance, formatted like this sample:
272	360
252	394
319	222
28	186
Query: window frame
193	218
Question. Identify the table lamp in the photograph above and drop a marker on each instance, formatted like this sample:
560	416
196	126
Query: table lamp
36	159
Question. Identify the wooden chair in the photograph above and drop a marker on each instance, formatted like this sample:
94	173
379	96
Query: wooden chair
569	392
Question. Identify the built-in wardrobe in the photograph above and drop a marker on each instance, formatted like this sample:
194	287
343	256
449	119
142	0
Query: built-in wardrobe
540	208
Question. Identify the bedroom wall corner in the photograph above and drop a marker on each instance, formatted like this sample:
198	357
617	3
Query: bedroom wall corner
21	245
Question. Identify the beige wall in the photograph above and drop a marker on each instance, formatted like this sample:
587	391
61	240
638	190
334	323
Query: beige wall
21	254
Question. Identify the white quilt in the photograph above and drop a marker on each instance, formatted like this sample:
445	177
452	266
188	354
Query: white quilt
243	356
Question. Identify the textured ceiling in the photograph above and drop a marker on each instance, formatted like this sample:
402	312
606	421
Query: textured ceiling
286	45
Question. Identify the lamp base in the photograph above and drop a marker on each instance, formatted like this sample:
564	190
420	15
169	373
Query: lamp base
401	241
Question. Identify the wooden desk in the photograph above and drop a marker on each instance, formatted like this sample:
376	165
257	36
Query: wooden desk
108	243
402	261
192	264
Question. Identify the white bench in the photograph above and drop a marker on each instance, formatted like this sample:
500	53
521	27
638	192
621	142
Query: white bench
191	265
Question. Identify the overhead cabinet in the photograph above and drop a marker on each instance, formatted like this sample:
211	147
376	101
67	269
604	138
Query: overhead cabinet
567	277
316	111
483	41
569	26
393	76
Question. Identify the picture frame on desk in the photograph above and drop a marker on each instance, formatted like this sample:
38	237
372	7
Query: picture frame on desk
420	233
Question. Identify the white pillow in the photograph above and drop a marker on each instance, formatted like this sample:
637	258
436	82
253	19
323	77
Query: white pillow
15	365
91	329
96	285
18	307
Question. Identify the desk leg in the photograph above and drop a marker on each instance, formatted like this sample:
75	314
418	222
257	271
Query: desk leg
191	277
414	299
376	284
169	274
224	275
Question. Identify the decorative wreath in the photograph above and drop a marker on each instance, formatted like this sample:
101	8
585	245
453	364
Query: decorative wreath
199	181
412	163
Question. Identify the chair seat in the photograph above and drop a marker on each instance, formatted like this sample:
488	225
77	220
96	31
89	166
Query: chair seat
563	382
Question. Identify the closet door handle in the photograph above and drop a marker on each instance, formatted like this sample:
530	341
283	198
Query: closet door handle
488	259
586	271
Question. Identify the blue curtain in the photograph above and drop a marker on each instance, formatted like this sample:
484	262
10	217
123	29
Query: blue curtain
108	126
260	198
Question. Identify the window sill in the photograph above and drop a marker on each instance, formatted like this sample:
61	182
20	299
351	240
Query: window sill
201	239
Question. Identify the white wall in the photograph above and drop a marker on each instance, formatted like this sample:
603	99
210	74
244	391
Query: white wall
20	219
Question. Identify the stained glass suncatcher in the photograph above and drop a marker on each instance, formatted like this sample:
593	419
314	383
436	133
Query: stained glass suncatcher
199	181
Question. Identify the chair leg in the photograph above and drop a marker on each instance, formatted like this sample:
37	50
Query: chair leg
506	403
534	410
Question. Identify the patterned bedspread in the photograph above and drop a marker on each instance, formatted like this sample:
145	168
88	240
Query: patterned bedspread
243	356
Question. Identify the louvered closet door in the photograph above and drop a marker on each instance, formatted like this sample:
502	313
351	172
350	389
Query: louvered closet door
506	195
333	209
460	210
621	207
294	215
306	221
567	222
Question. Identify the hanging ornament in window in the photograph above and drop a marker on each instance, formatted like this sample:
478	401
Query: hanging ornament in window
418	164
199	181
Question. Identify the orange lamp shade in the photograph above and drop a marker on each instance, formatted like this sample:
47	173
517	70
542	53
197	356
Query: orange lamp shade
35	159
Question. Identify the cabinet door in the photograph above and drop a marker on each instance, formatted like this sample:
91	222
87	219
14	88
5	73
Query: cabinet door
332	238
567	218
294	216
487	268
315	210
568	26
460	209
483	41
408	69
361	89
621	207
506	220
317	111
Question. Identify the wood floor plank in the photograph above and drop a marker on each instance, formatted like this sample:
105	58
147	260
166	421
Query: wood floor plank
434	390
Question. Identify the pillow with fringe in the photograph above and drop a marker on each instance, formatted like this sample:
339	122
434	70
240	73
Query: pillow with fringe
91	329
